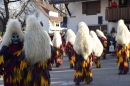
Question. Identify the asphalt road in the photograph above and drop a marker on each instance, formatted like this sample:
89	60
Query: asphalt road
107	75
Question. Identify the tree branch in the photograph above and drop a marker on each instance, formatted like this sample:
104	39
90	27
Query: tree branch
23	8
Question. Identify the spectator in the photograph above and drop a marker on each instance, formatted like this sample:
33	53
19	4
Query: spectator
113	4
111	38
113	30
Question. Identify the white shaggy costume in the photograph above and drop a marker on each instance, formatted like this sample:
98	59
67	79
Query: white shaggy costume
103	40
51	60
57	44
122	49
9	54
83	48
36	52
97	48
70	39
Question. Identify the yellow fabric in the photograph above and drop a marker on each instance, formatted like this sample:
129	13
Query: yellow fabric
44	82
57	52
23	64
105	43
72	60
98	63
84	64
29	76
78	73
18	52
120	59
126	64
127	53
42	64
17	70
1	59
120	55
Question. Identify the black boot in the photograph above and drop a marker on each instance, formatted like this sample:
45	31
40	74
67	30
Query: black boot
71	66
91	79
77	83
57	64
120	72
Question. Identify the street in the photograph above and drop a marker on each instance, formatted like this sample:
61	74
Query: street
107	75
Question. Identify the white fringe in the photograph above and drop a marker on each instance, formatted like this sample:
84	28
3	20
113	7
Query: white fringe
49	38
36	44
97	45
13	26
83	42
57	39
123	34
100	33
70	36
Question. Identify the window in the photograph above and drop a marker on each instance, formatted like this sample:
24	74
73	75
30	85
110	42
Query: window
57	25
91	7
53	23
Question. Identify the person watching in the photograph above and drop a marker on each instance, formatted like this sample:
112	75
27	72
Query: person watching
113	4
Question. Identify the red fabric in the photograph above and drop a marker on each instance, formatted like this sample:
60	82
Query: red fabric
15	47
103	39
114	4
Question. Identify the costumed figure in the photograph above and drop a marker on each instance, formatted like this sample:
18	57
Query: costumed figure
97	48
70	39
36	53
63	41
103	40
57	44
122	48
10	48
51	60
83	60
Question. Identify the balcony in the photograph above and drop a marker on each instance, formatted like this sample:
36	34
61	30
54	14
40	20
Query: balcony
114	14
63	1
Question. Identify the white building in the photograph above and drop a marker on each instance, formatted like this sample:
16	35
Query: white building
49	17
1	3
91	11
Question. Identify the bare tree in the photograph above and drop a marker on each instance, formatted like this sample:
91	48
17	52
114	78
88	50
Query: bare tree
5	13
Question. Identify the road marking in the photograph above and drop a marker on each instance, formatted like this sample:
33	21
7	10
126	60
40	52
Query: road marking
67	83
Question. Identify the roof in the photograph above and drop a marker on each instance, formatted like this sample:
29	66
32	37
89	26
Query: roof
45	8
64	1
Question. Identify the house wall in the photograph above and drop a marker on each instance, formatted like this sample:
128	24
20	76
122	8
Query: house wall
1	2
91	20
54	26
44	19
47	24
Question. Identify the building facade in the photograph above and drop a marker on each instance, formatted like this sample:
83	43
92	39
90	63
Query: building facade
98	14
48	16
